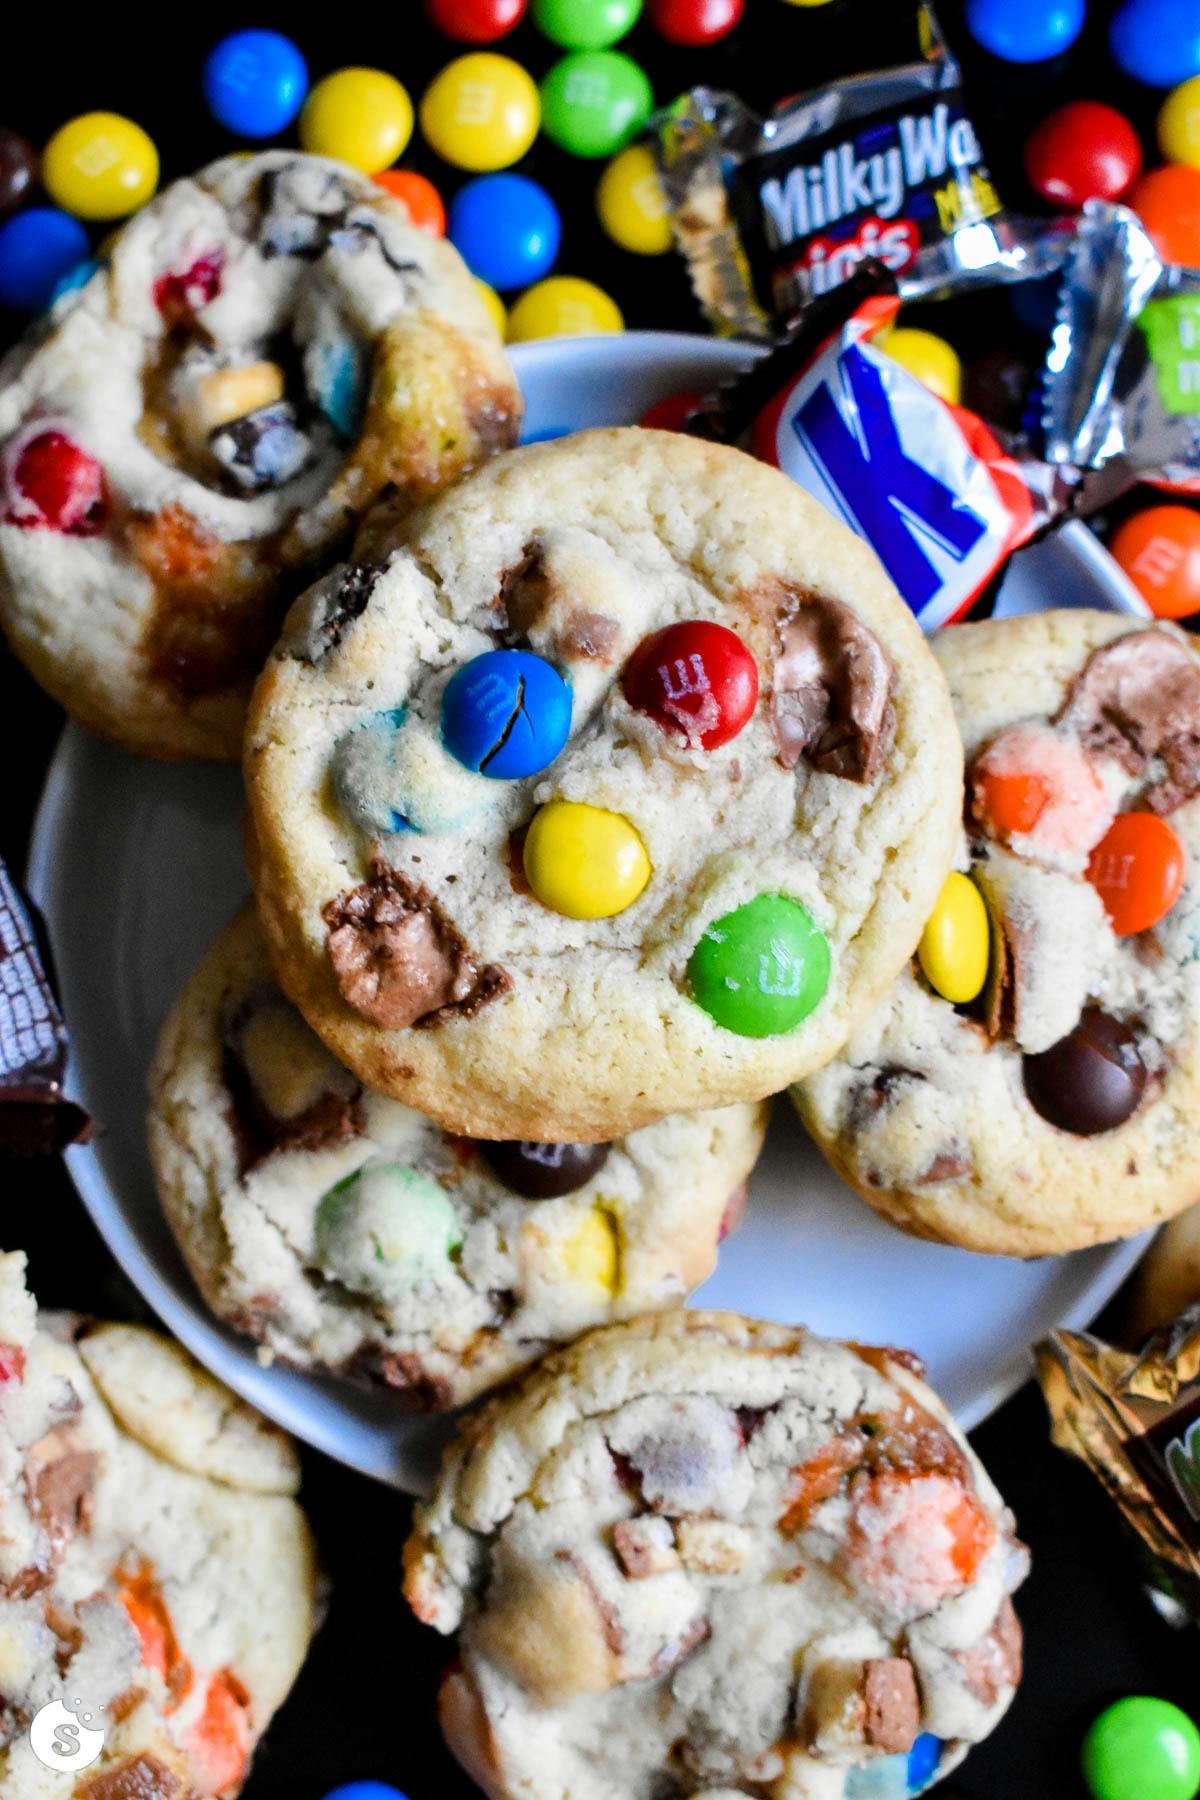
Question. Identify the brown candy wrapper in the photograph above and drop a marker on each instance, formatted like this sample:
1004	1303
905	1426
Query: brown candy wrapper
1135	1421
35	1116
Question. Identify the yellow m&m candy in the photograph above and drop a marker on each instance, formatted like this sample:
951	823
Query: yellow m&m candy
1179	124
953	951
563	306
359	116
632	205
482	112
100	166
589	1254
929	358
584	862
497	310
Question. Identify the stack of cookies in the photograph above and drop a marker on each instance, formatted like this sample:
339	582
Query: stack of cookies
599	792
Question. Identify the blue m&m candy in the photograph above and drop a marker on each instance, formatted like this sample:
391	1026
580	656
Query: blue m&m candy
1157	41
75	278
255	83
1025	31
506	228
506	713
365	1790
37	248
923	1760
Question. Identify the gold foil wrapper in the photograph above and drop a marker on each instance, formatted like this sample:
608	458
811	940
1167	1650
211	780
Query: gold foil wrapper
1135	1421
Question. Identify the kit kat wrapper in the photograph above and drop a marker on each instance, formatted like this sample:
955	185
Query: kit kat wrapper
35	1115
1134	1420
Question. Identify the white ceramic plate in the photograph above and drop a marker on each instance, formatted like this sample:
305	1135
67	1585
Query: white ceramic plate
137	865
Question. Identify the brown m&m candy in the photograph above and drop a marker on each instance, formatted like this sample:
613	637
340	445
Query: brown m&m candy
18	165
544	1171
1092	1080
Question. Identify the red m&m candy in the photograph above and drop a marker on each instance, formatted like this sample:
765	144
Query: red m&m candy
1137	869
476	21
1084	151
56	485
696	680
694	21
1159	550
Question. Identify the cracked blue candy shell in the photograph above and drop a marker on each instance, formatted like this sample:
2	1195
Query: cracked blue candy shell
506	714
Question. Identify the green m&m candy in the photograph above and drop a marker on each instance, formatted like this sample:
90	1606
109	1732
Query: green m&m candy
1142	1749
762	968
594	101
385	1227
585	24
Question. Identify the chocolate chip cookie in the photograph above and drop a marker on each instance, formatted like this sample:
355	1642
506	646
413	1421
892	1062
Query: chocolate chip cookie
189	438
156	1577
1042	1095
616	782
345	1231
707	1557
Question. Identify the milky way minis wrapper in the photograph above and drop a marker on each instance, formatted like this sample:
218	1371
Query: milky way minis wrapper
35	1115
929	485
1122	388
1135	1422
771	213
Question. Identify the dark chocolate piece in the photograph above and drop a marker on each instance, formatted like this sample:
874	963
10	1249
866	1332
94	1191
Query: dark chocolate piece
341	598
263	449
1139	697
35	1118
544	1171
833	683
1091	1081
399	960
321	1104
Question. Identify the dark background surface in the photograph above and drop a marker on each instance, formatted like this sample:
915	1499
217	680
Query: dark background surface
364	1704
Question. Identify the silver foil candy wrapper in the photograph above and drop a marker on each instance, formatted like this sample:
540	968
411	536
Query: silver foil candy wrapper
35	1115
1122	385
1134	1420
772	213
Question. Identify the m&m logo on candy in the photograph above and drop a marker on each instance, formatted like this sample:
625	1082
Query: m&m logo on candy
924	482
696	680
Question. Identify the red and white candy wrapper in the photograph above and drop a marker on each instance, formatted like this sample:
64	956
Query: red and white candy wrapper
1135	1422
928	484
35	1115
1122	386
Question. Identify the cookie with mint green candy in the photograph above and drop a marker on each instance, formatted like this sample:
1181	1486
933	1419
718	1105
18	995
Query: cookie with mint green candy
269	347
345	1231
614	783
704	1556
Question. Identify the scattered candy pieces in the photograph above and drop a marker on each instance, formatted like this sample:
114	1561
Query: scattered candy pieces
631	204
506	228
1084	151
1179	124
953	951
594	101
563	306
385	1226
506	713
476	21
56	485
255	83
583	861
1137	869
589	1254
931	359
1159	550
1025	31
495	306
359	116
37	248
585	24
481	113
544	1171
1142	1749
1157	41
419	198
1091	1081
694	22
100	166
761	969
696	680
1167	201
18	166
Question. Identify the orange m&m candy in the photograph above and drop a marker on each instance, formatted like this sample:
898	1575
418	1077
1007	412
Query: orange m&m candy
1137	869
1159	550
1167	201
1012	802
418	196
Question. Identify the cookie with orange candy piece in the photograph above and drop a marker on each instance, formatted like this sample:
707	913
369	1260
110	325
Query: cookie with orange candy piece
705	1555
1046	1102
155	1568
